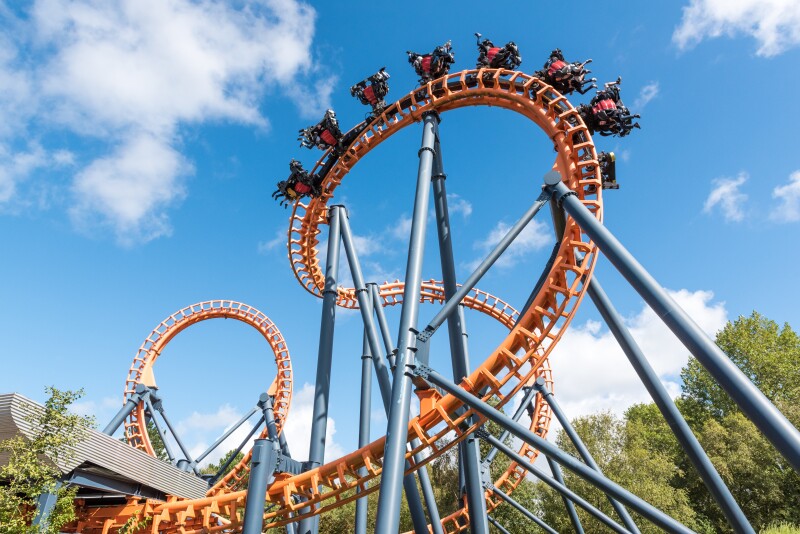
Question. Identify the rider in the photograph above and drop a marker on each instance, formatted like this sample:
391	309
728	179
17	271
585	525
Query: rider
374	93
325	134
433	65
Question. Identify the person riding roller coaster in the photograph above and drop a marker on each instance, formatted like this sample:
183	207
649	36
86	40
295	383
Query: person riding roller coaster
566	77
374	93
323	135
495	57
606	114
299	184
434	65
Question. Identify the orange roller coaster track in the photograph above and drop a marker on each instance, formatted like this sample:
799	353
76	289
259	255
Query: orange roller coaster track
513	364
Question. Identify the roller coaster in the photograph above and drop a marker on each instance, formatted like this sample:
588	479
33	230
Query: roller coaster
268	488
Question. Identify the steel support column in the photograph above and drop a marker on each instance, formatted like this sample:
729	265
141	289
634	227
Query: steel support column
365	305
319	423
384	325
221	471
716	486
133	401
576	440
571	511
497	525
590	475
468	450
555	484
755	405
524	511
484	266
363	427
388	517
45	504
257	487
530	393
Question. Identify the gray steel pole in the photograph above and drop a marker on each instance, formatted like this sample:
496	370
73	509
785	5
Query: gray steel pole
257	487
675	420
224	436
365	305
772	423
590	475
388	518
530	393
468	450
44	506
238	449
571	511
556	485
161	432
268	409
363	428
319	423
133	401
524	511
580	447
384	325
479	271
497	525
186	463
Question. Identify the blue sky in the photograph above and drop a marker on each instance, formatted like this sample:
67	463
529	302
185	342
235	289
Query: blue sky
140	141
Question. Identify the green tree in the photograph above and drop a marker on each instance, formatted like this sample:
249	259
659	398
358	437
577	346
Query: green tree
211	469
30	470
620	449
762	482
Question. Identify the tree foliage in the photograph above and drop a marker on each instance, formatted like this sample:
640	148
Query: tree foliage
30	470
640	452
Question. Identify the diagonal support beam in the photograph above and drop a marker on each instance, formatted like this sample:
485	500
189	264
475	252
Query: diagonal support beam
555	484
388	517
576	440
468	450
484	266
365	302
590	475
521	509
663	401
753	403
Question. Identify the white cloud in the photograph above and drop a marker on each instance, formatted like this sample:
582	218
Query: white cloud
366	245
592	373
128	75
102	411
456	204
646	94
279	239
15	166
534	236
401	229
774	24
298	426
788	209
130	189
727	196
200	430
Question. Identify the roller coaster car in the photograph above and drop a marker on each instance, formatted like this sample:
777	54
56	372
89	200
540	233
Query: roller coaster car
433	65
608	169
495	57
566	77
606	114
372	90
323	135
299	184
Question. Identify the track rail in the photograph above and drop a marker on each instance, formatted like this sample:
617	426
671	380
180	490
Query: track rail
515	362
151	349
